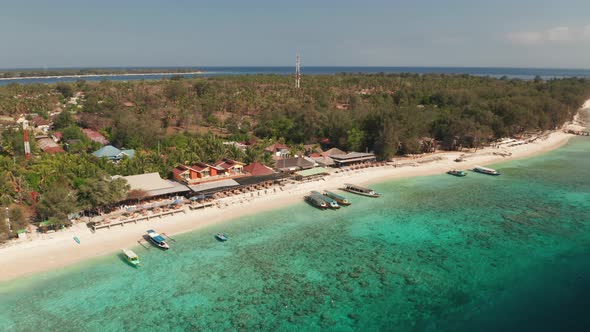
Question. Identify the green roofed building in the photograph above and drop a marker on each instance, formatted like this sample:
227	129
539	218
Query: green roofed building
311	173
112	153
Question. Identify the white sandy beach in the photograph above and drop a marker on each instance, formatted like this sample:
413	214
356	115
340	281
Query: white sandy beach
51	251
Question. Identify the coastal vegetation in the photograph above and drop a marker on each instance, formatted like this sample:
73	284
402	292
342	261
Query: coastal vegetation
184	121
23	73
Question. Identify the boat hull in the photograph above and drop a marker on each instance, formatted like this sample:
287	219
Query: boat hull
375	195
315	203
486	173
161	246
338	199
459	174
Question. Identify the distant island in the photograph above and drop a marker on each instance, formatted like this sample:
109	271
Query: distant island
92	72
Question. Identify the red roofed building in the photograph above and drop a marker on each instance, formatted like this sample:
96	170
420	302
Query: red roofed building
49	146
57	136
258	169
202	172
95	136
278	151
229	167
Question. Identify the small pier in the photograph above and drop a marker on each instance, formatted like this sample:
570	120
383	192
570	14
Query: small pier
136	219
196	206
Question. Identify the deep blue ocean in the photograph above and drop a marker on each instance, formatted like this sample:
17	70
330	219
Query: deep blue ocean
519	73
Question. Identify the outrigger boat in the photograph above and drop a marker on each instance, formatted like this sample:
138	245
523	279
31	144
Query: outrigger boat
485	170
158	239
340	199
316	201
331	203
131	257
457	173
221	237
360	190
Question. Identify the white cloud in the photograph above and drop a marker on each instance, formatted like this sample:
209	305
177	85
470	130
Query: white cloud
559	34
525	38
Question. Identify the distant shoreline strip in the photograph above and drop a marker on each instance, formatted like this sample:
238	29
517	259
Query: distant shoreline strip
97	75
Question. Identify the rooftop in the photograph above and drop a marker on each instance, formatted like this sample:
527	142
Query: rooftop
153	184
353	155
113	153
258	169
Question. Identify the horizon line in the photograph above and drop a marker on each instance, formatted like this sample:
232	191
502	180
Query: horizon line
280	66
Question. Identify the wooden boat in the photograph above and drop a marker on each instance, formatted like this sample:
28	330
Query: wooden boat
131	257
360	190
485	170
331	203
77	239
457	173
340	199
221	237
316	201
158	240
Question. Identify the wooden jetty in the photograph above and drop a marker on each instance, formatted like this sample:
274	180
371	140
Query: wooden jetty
196	206
136	219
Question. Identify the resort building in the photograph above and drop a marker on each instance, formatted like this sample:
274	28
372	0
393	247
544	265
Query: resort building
353	158
229	167
332	152
201	172
278	150
41	124
294	164
323	161
113	154
48	145
258	169
151	185
95	136
311	174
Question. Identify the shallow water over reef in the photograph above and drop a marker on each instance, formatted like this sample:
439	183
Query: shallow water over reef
438	253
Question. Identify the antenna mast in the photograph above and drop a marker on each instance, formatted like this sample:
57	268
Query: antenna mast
298	72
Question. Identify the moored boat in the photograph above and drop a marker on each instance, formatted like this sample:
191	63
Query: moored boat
221	237
316	201
131	257
158	239
485	170
331	203
352	188
340	199
457	173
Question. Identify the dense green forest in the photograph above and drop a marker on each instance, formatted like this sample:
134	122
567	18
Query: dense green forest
183	120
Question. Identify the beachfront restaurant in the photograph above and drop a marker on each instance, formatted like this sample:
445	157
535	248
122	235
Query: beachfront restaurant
152	186
311	174
353	158
294	164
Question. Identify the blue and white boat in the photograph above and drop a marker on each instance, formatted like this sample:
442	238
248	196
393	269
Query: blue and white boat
485	170
221	237
158	239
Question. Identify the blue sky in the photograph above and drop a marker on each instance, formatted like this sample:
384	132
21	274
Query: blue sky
500	33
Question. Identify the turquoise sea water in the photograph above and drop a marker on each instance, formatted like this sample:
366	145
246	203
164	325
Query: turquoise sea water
439	253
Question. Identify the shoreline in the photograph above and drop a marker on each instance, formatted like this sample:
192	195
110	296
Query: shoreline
95	75
52	251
